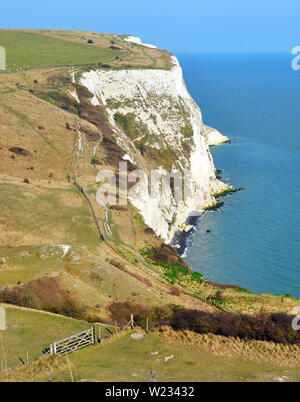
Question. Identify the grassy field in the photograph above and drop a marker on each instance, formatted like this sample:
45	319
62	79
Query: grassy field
31	331
122	358
126	359
54	215
27	50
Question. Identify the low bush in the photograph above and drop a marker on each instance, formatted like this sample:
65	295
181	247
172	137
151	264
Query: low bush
118	208
157	315
140	278
175	291
135	275
43	294
274	327
121	311
226	286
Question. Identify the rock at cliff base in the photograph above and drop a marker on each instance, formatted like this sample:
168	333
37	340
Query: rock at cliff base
214	137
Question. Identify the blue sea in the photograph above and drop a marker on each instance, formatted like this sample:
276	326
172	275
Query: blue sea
254	240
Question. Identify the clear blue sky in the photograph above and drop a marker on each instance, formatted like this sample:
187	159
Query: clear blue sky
177	25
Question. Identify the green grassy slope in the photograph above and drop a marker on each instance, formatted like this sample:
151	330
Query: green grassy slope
31	331
122	358
125	359
29	50
46	211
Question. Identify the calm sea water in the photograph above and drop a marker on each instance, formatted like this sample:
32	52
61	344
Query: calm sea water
255	239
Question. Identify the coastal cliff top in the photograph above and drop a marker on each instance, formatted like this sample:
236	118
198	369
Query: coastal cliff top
32	49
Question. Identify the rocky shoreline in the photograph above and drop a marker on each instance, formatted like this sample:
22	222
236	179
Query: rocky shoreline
183	239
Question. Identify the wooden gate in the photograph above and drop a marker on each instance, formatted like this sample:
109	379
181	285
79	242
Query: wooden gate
74	342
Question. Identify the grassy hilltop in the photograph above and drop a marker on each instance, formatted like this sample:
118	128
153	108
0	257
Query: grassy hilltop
56	274
51	48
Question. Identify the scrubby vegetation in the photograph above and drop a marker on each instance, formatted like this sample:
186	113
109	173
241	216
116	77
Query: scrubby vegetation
175	291
157	315
227	286
135	275
139	219
274	327
172	266
144	141
43	294
128	123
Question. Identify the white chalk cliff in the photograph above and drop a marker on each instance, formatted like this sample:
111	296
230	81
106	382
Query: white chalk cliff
169	135
138	41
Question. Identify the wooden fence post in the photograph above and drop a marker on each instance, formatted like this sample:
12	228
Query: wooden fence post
2	318
94	334
131	321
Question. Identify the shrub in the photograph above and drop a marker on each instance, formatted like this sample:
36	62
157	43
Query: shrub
140	278
219	295
43	294
196	276
118	208
265	327
121	311
161	314
228	286
175	291
157	315
149	231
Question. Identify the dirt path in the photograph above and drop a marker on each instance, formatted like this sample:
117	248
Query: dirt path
107	228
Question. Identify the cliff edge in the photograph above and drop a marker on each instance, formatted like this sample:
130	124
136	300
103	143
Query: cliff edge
159	126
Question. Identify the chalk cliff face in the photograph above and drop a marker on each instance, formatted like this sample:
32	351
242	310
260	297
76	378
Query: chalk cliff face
135	39
160	128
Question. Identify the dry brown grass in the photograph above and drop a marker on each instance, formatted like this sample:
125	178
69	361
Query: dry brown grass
39	126
245	302
13	238
276	354
44	367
